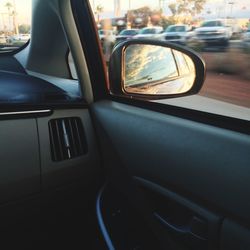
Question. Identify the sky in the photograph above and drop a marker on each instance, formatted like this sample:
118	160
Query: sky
23	9
214	7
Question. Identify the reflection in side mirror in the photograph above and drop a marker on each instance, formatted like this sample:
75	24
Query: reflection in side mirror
157	70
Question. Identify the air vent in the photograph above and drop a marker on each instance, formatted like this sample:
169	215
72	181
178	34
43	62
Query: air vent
67	138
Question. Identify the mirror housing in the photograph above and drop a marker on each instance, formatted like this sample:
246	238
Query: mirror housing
117	70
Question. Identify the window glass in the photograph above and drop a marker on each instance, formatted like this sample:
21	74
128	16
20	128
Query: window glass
128	32
15	24
218	30
175	29
181	62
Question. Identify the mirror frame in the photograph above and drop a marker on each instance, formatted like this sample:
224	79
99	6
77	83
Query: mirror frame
116	69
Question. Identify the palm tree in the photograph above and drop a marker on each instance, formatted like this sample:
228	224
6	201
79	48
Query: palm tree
99	10
9	5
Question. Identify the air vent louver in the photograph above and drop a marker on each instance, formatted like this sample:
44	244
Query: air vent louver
67	138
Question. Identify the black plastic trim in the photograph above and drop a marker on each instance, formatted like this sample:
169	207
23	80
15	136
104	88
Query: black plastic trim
15	51
230	123
92	49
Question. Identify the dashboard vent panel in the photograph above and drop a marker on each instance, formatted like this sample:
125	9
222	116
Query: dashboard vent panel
67	138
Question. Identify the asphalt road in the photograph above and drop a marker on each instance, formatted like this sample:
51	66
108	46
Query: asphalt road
227	88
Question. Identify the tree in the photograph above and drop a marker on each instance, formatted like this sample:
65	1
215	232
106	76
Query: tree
98	11
166	21
187	7
24	28
143	16
9	6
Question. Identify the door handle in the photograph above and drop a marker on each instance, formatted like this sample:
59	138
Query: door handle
195	230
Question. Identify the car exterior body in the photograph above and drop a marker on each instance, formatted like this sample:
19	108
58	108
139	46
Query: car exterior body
107	36
126	34
177	34
246	39
214	32
2	39
20	38
149	32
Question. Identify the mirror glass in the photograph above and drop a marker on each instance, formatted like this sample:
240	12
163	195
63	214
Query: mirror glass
157	70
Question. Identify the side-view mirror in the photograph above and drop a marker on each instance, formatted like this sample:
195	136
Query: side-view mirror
151	69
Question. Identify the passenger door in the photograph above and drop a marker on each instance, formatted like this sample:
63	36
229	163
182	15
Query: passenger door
176	178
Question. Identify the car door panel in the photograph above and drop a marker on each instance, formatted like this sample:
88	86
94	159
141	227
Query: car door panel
20	167
200	163
234	236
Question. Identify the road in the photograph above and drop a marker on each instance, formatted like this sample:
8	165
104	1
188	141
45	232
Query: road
225	95
227	88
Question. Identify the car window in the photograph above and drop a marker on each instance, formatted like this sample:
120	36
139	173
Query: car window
147	31
175	29
212	24
15	24
128	32
219	35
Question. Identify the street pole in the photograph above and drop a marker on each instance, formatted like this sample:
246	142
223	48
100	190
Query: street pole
16	31
231	12
128	12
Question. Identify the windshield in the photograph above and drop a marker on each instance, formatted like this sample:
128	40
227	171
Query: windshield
104	32
128	32
147	31
176	29
15	25
212	24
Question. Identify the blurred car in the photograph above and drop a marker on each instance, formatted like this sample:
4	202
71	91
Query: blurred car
178	34
246	39
126	34
149	32
214	32
107	36
19	38
2	39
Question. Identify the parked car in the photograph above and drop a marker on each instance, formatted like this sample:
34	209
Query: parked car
20	38
149	32
126	34
3	39
108	39
214	32
246	39
107	36
178	33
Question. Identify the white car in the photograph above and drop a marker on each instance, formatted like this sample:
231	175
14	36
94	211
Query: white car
149	32
20	38
246	39
107	36
2	39
179	33
214	32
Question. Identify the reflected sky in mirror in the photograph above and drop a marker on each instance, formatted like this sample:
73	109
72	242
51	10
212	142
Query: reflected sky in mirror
151	69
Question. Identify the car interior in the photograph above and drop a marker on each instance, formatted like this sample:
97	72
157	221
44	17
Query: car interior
86	166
